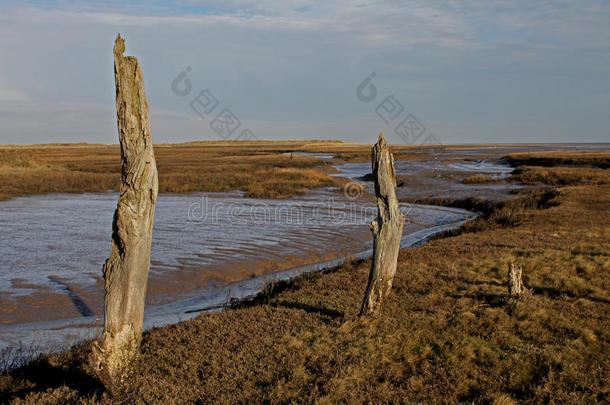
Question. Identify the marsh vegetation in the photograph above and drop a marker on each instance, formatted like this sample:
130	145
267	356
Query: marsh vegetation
449	331
262	169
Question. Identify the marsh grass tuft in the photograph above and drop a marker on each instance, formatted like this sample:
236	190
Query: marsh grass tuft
480	179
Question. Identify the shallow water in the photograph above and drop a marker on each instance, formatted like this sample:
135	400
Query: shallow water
430	181
59	242
198	239
56	334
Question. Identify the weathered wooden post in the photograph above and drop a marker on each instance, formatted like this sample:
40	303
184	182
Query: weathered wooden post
126	270
387	230
515	284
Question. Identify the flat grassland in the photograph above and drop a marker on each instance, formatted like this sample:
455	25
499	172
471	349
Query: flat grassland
449	333
263	169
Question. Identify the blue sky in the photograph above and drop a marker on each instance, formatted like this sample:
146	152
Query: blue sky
470	71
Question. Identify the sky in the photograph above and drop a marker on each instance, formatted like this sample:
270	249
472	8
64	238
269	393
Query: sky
474	71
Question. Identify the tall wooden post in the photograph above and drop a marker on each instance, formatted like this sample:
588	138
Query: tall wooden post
387	230
126	270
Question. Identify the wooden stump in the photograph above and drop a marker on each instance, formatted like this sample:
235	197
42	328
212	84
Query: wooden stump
515	284
387	230
126	270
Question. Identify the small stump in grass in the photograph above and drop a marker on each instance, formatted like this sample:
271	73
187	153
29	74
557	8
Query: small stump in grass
515	283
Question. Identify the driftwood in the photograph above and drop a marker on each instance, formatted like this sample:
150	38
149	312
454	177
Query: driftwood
387	230
515	284
126	270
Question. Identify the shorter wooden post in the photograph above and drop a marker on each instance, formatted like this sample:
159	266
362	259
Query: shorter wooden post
387	230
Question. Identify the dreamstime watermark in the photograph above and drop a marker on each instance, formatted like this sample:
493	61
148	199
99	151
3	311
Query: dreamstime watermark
354	190
225	124
390	110
331	212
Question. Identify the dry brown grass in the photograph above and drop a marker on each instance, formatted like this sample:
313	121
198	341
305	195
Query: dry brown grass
561	176
255	167
400	152
251	166
480	179
561	168
449	333
599	159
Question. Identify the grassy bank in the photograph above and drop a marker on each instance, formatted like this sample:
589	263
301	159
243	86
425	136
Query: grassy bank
448	333
600	159
561	176
262	169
